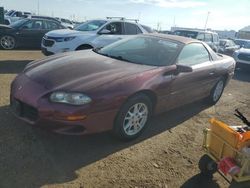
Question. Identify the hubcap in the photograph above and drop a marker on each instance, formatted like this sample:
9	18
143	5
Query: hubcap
135	119
218	90
7	42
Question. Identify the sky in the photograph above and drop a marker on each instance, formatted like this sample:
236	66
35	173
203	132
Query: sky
161	14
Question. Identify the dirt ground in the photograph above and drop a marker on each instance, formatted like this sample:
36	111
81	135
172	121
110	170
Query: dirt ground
165	156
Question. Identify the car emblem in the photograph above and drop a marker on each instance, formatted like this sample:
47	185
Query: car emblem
19	88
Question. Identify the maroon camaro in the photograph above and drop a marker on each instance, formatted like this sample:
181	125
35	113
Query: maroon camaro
119	86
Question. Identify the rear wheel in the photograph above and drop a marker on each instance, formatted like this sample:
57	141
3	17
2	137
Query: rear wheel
133	117
216	92
207	165
7	42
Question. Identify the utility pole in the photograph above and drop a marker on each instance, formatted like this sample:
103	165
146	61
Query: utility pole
38	7
206	20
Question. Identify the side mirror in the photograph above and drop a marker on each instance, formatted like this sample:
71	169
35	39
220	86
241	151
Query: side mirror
183	68
104	31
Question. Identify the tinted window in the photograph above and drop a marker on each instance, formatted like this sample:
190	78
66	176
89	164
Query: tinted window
90	26
208	37
193	54
131	29
115	28
143	50
49	25
222	43
201	37
189	34
34	24
18	23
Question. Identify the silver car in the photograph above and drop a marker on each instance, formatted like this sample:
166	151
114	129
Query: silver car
91	34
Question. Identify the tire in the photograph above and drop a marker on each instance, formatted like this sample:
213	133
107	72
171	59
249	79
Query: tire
207	166
216	92
84	47
7	42
133	117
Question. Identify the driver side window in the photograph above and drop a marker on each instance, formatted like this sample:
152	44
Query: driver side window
115	28
193	54
37	24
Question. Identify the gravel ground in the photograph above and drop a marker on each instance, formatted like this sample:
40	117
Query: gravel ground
165	156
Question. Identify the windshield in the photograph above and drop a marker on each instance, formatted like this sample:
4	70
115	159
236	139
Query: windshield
90	26
9	13
222	43
144	50
189	34
18	23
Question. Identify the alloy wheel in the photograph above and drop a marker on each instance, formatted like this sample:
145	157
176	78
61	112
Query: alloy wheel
7	42
218	90
135	119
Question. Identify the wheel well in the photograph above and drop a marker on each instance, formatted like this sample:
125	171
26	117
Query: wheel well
84	46
150	94
225	77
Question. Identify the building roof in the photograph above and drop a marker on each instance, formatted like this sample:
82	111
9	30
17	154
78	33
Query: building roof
247	28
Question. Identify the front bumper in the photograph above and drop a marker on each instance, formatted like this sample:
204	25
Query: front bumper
29	105
58	47
46	52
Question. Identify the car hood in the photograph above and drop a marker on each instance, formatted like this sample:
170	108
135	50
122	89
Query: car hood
67	33
243	50
5	26
80	71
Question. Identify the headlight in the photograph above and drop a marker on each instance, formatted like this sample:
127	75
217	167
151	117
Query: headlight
68	38
70	98
63	39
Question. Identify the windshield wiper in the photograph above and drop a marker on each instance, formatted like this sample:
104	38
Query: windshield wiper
120	58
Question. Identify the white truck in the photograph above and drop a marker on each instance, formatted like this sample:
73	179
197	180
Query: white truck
13	15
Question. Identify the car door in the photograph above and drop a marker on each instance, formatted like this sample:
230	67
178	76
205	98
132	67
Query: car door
187	87
31	33
110	33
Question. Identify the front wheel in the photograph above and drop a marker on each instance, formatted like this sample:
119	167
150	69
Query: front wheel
216	92
132	118
7	42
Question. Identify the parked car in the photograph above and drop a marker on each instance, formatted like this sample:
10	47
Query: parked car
13	15
242	56
211	38
66	23
120	86
46	17
241	42
91	34
227	47
26	33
